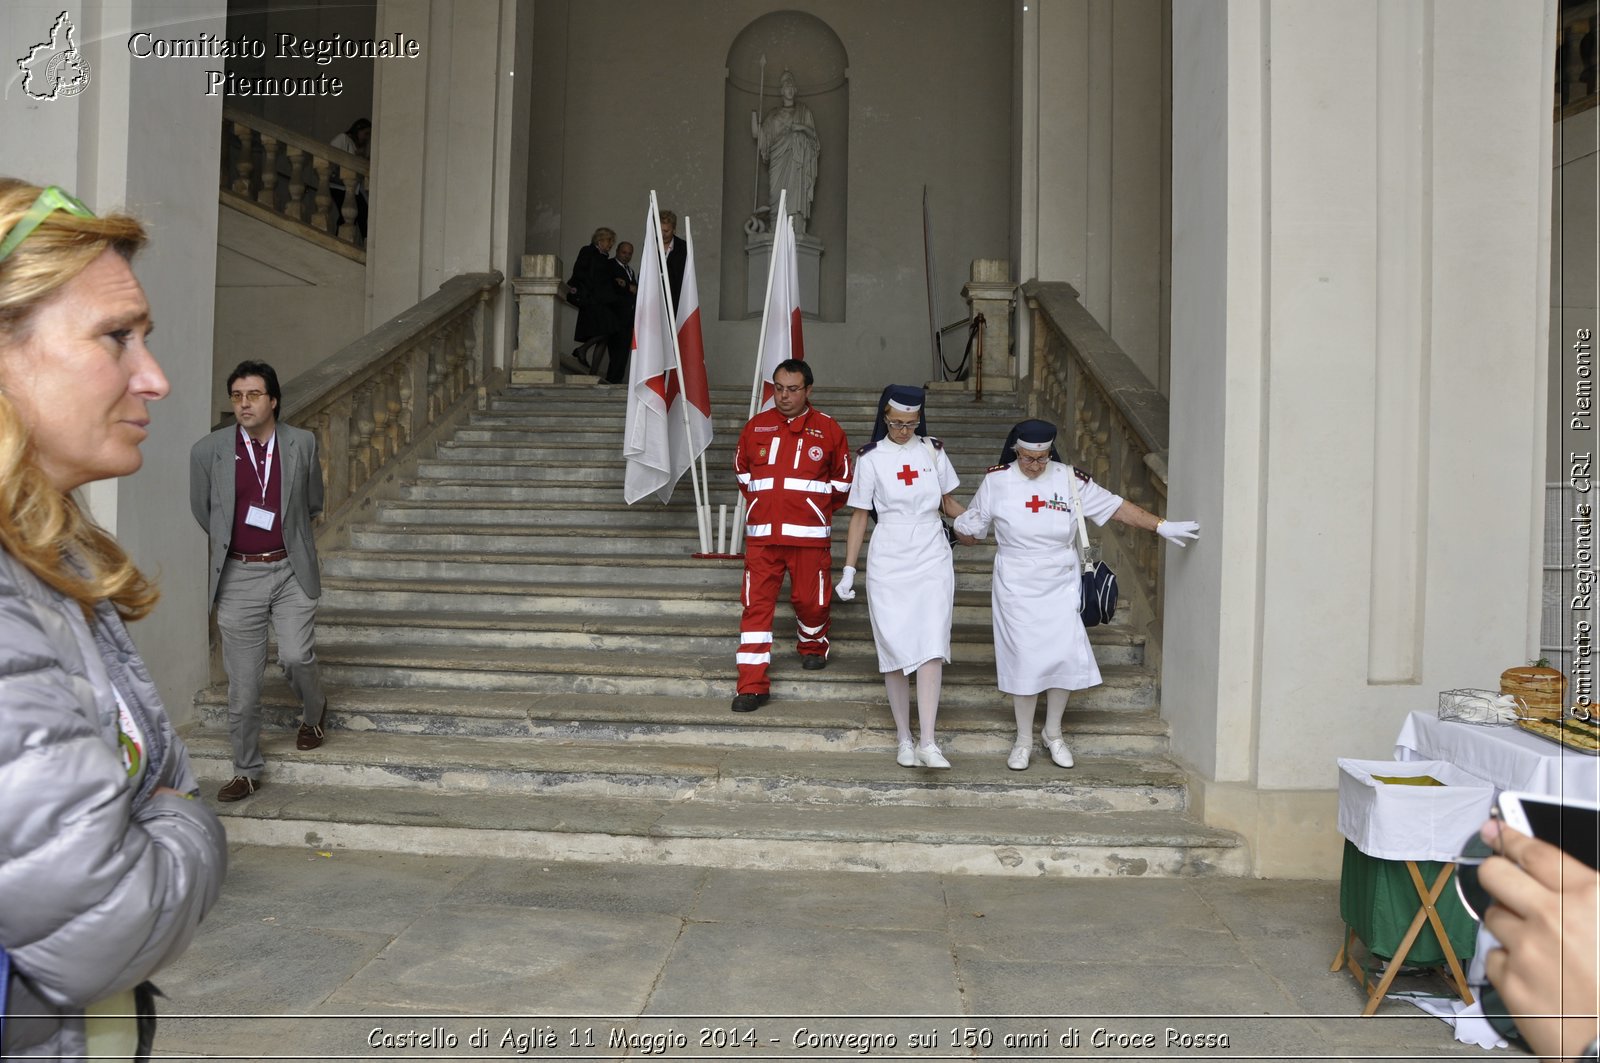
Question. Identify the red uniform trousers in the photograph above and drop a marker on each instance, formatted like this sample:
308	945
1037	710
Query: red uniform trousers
809	569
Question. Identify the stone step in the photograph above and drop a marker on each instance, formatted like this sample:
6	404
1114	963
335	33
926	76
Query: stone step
852	678
970	463
630	600
770	836
466	503
597	539
742	775
851	634
979	438
682	570
655	719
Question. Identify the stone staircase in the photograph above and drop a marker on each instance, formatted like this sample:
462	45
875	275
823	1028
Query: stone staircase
518	664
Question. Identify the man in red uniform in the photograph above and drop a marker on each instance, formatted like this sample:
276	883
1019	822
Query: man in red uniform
793	466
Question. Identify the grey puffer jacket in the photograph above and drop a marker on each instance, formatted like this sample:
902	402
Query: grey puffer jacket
100	886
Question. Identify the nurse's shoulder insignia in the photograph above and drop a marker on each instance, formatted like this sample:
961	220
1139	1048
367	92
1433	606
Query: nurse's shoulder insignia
867	448
998	468
1080	474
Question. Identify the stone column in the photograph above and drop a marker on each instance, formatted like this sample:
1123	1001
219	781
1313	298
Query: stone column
1360	248
992	293
538	320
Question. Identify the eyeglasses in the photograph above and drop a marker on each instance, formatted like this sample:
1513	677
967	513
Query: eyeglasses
899	426
246	396
795	390
1042	459
50	200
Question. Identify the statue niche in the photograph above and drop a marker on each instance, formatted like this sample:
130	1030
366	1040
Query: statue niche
789	139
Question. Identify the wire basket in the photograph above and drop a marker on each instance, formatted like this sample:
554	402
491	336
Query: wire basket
1489	707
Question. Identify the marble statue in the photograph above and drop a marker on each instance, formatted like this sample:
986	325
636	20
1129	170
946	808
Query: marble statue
787	142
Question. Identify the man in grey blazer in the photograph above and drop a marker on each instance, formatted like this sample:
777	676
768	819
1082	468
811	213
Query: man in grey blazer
255	487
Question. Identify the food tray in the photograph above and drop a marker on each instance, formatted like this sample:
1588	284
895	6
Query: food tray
1580	736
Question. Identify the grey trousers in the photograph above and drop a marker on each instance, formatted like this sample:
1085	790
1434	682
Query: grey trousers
250	595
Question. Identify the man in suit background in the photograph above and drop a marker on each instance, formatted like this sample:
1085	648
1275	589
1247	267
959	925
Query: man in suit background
255	488
677	253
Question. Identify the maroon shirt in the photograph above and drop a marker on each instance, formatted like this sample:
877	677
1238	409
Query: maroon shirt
247	492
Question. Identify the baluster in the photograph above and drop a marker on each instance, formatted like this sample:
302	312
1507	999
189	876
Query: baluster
320	217
338	430
245	163
436	403
380	422
296	207
318	426
347	210
268	196
469	351
361	427
405	416
395	380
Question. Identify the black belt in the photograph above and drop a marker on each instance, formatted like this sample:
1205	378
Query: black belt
276	555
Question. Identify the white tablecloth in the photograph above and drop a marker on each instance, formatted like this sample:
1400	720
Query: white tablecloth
1394	821
1508	757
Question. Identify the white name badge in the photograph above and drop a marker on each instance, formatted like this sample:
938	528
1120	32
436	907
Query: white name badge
257	517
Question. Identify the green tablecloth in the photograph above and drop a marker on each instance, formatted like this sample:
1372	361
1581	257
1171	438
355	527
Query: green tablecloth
1378	901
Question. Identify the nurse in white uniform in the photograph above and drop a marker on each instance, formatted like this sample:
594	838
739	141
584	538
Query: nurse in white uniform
906	478
1039	640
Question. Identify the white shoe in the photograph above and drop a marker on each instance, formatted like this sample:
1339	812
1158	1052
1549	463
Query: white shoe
1058	750
907	757
930	757
1018	760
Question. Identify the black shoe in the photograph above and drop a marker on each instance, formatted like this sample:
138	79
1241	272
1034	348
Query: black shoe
812	663
749	702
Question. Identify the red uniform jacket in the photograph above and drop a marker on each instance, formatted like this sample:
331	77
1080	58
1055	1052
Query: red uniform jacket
794	475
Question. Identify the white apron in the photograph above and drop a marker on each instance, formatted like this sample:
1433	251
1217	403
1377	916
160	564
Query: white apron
1039	639
911	584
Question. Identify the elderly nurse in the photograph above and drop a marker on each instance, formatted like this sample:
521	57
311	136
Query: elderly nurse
1039	640
905	477
107	862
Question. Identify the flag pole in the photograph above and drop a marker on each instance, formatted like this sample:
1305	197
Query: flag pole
761	350
705	473
766	305
702	505
677	362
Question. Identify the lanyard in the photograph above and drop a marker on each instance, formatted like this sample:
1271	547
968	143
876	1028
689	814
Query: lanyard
263	477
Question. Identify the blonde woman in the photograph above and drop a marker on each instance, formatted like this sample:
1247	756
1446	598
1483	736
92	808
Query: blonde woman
107	862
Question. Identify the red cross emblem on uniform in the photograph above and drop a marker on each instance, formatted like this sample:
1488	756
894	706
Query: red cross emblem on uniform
907	474
1036	504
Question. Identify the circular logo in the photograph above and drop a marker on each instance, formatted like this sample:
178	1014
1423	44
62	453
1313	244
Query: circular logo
67	73
815	453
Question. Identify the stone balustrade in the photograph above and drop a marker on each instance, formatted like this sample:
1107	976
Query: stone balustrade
286	180
1112	422
370	402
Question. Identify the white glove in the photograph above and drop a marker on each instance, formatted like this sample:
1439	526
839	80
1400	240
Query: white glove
846	582
1177	531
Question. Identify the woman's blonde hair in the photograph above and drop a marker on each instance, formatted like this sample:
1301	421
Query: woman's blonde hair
40	526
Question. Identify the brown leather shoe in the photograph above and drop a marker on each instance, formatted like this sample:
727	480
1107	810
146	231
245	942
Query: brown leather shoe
309	737
238	789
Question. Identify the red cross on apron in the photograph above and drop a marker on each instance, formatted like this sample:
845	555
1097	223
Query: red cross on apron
907	474
1037	504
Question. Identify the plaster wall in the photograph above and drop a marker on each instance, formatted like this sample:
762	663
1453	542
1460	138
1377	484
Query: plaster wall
1375	371
643	103
280	299
1093	175
449	154
142	137
320	117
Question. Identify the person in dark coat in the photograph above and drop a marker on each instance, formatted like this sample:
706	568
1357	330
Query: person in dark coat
592	290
